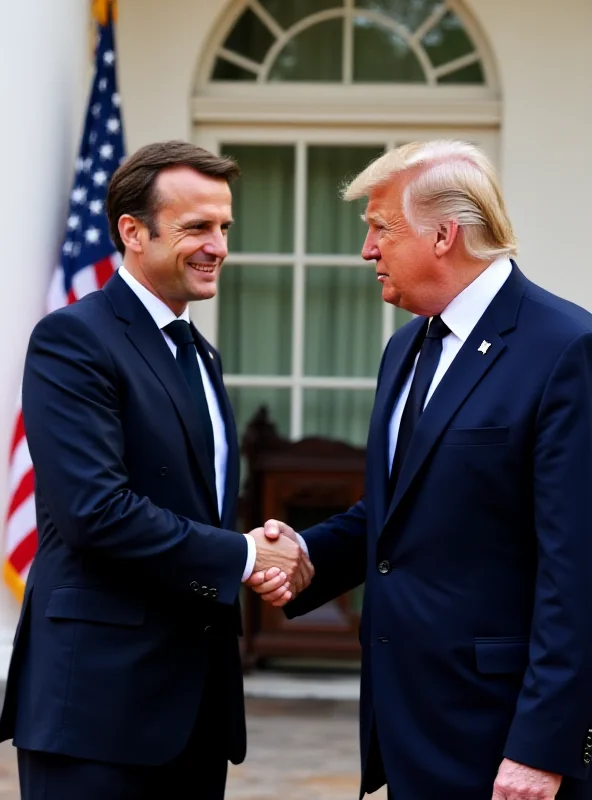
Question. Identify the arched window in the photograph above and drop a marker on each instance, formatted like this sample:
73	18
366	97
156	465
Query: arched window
304	93
352	41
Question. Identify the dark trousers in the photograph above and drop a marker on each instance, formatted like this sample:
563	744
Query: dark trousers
44	776
198	773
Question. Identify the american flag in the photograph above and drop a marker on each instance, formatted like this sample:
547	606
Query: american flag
88	258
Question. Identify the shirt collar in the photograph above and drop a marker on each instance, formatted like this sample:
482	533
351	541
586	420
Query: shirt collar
159	311
466	309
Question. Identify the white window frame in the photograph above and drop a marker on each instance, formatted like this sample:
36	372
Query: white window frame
219	102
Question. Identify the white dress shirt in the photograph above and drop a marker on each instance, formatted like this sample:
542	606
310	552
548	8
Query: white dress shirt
460	315
162	316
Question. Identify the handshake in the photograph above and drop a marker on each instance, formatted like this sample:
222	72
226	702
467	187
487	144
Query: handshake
282	567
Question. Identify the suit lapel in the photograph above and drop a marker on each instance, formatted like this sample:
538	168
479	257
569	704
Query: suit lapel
149	341
466	371
396	368
231	486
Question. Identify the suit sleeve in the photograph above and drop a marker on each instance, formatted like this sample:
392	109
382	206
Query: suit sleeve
337	550
554	709
74	431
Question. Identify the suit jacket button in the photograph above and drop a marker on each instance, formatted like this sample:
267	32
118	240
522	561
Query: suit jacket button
163	471
213	593
207	631
195	586
587	758
384	567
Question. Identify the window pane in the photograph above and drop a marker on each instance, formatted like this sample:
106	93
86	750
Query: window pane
338	414
291	11
343	322
402	317
447	40
250	37
410	13
226	71
471	74
313	55
263	199
255	320
334	226
381	55
246	401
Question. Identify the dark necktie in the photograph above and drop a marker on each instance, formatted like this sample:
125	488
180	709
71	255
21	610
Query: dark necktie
427	363
181	334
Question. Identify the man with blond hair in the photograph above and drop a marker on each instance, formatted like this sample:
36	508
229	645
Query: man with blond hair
473	537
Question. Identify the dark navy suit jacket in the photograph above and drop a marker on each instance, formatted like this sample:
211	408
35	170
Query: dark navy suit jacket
477	619
135	576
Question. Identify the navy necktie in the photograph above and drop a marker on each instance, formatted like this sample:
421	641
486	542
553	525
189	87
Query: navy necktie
427	363
181	334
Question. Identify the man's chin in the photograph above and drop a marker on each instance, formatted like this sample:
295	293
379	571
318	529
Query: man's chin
389	295
206	292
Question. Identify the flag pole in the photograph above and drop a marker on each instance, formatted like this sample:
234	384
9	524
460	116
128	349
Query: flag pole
103	9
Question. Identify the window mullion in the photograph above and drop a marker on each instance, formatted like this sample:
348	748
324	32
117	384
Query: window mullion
299	290
348	42
388	322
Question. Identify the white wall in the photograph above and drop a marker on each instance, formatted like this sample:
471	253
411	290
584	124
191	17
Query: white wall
159	45
544	54
44	70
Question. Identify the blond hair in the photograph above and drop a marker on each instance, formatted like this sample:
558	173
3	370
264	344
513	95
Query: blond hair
454	180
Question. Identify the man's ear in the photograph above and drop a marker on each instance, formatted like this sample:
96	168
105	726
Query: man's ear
445	237
130	229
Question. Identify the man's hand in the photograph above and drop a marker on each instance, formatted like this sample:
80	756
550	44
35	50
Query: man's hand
269	585
519	782
274	529
272	585
281	553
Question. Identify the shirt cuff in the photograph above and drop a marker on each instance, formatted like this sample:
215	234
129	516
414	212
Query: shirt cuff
302	544
251	557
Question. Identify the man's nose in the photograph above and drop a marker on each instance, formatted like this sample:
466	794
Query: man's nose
370	250
217	246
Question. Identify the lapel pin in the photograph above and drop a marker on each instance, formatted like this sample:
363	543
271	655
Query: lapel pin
211	354
484	347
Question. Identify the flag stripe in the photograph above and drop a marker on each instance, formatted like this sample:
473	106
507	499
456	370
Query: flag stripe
19	465
19	434
23	553
21	522
25	489
103	271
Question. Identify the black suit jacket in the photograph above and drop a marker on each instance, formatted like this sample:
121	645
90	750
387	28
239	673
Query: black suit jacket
136	577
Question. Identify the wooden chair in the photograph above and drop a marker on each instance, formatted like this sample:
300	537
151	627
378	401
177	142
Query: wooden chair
301	483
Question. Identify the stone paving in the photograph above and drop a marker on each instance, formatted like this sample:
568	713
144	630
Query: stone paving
298	750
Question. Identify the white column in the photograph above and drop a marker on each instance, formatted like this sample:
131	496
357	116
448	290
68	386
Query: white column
45	65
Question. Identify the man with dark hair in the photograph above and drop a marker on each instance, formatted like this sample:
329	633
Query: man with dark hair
126	678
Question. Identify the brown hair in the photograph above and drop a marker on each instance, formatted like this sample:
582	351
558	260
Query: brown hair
131	190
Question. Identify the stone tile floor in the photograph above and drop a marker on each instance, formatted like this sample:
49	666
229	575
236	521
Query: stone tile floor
298	750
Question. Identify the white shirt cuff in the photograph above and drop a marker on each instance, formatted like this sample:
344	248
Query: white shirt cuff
251	557
302	544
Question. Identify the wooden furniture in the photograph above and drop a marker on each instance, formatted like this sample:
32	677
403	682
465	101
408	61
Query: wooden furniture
301	483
